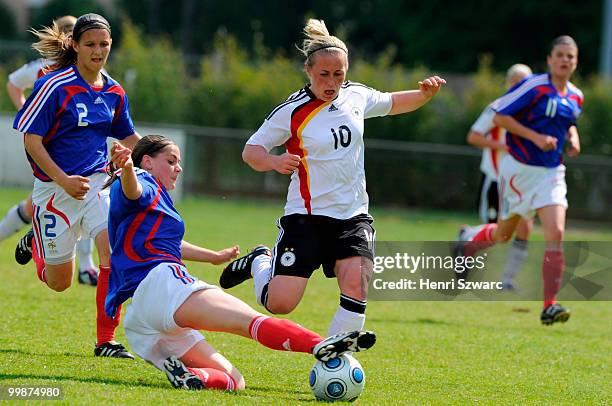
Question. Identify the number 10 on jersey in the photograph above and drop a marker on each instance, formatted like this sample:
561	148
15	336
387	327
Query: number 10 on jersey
343	135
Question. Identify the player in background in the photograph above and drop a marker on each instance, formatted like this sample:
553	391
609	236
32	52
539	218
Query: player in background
540	115
66	121
20	215
169	305
492	139
326	219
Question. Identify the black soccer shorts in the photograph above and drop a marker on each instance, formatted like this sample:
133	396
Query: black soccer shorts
305	242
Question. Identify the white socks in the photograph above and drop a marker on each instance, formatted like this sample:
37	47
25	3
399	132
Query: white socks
84	250
517	255
345	320
261	270
14	220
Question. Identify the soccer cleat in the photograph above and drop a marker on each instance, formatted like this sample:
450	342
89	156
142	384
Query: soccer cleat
23	251
112	349
511	286
554	313
180	377
88	277
457	251
239	270
336	345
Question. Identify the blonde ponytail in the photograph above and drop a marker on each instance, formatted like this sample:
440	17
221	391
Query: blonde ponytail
318	38
55	45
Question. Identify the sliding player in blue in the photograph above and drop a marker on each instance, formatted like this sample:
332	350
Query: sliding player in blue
169	305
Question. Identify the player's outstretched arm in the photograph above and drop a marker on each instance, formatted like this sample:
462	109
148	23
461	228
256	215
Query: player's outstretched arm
122	158
261	160
410	100
191	252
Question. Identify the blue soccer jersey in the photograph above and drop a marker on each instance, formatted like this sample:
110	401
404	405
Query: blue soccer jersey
537	104
143	233
74	120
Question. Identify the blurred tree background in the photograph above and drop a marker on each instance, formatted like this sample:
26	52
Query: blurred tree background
443	35
212	63
446	36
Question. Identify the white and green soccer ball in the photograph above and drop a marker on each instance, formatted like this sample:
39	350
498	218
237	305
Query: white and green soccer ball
339	379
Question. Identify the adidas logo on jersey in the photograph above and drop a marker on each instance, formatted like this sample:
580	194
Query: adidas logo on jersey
98	100
333	108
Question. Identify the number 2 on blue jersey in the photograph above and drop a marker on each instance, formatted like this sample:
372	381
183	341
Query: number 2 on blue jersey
82	108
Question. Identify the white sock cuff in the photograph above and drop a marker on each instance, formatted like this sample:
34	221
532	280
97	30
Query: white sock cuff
345	320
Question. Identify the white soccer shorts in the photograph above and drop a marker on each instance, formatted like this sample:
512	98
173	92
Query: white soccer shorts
59	220
149	322
526	188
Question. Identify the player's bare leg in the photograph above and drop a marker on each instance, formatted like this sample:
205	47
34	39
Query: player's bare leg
285	293
505	229
59	277
215	310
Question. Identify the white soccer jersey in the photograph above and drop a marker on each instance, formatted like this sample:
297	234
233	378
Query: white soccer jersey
489	165
328	136
25	76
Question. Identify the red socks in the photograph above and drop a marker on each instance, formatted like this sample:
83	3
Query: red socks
283	335
552	274
214	379
482	240
105	326
39	261
277	334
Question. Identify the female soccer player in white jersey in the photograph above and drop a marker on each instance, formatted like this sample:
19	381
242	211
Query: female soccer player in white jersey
492	139
66	120
168	304
540	116
326	219
20	215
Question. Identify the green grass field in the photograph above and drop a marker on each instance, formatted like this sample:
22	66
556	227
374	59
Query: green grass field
427	352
